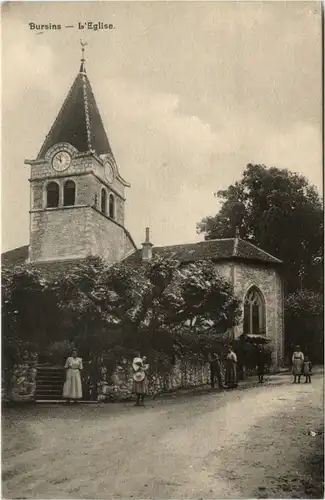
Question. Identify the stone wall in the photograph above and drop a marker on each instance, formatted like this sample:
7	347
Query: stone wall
76	231
183	375
23	380
96	187
268	281
60	233
108	239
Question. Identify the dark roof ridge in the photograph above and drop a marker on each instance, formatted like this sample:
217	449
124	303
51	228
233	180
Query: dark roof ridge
193	243
219	239
261	250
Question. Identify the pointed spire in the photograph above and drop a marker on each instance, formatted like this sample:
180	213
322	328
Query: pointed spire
79	122
82	65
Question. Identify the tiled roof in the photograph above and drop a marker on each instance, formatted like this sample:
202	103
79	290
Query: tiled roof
49	269
246	250
216	250
223	249
79	122
16	256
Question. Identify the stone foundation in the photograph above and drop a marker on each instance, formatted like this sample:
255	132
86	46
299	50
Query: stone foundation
23	379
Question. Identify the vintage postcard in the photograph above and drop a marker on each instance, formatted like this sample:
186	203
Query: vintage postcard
162	249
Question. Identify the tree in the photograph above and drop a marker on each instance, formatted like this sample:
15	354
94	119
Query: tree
304	320
280	212
199	295
140	307
161	308
29	312
29	317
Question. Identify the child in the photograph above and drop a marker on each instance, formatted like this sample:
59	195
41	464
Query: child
260	364
307	370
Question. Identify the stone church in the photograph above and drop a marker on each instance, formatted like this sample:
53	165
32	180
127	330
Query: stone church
77	209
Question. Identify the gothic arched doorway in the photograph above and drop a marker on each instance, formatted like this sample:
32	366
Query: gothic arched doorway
254	312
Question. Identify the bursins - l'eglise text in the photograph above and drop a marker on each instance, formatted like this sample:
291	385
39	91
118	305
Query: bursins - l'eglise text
49	26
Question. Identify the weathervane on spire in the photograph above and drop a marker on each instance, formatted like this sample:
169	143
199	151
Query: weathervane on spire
82	67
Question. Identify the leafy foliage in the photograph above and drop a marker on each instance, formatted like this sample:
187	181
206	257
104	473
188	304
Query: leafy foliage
198	295
304	316
280	212
29	308
145	307
103	308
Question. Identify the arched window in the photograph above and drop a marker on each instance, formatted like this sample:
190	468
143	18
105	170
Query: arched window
111	211
254	312
69	193
103	201
52	195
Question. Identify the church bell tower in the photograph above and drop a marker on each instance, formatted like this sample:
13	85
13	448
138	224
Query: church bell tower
77	193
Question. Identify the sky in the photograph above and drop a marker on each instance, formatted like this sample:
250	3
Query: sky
189	93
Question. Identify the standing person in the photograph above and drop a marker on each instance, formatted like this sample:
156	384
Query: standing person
216	371
72	389
140	383
307	370
231	369
297	364
260	364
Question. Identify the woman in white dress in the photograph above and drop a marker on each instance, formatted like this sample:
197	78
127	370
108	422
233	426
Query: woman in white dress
72	389
297	364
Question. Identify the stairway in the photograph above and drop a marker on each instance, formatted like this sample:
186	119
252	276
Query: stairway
49	383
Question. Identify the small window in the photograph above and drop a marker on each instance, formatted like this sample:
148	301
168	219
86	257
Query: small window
52	195
111	206
69	193
103	202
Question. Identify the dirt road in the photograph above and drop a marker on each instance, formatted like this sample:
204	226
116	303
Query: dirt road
224	445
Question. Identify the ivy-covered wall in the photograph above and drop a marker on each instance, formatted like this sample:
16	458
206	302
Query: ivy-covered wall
22	383
184	374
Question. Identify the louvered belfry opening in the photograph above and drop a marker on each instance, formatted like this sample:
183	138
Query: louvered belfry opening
52	195
69	193
103	201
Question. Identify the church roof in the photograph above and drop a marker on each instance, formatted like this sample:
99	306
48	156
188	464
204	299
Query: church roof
16	256
216	250
51	269
79	122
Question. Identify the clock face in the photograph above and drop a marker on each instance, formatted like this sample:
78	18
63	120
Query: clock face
61	161
109	172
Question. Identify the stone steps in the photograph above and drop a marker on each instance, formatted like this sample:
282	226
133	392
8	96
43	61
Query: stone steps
49	382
